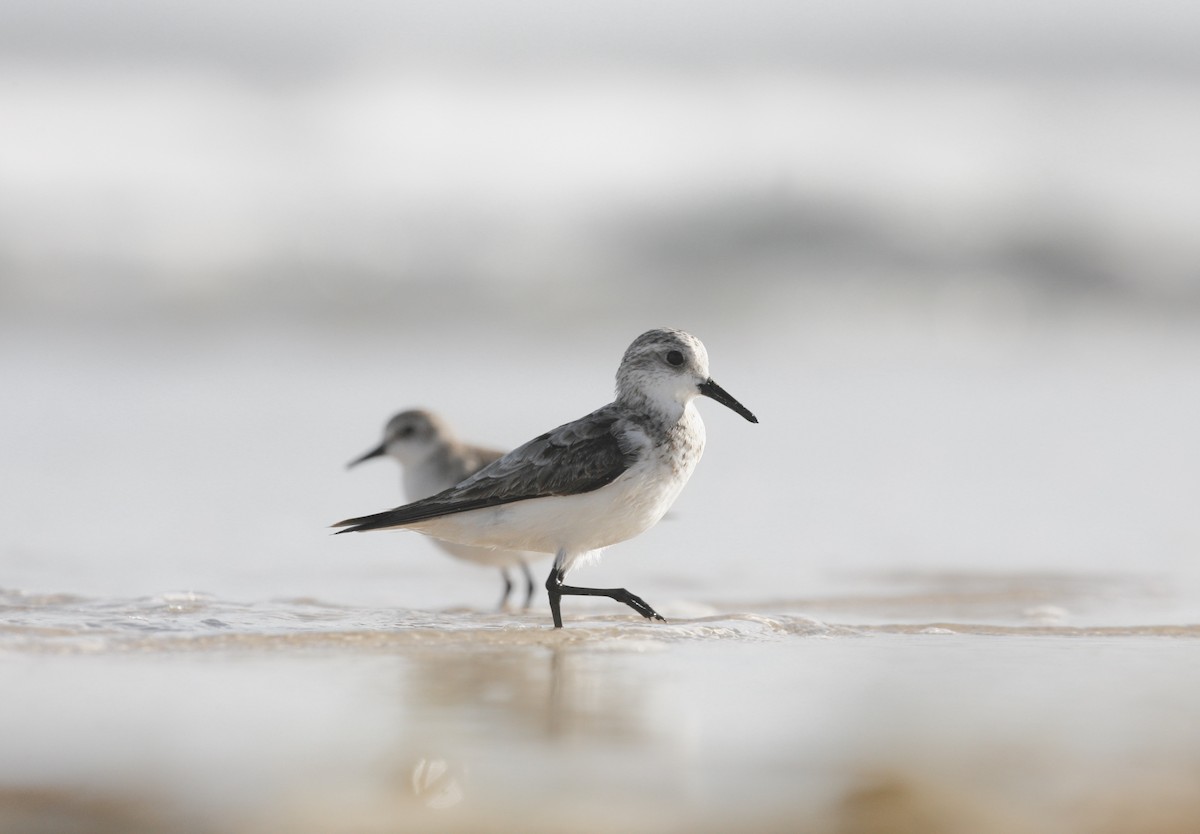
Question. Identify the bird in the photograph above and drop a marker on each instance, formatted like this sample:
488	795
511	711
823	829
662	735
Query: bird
432	459
589	483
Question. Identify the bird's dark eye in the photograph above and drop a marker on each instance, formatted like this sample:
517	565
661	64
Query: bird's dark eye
407	431
675	358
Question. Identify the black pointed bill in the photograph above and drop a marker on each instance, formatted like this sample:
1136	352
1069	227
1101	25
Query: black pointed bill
716	392
378	451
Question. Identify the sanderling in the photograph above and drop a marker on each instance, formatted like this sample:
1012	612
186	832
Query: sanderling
601	479
432	459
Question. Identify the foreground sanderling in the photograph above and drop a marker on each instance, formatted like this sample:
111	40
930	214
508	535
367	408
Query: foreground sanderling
432	459
601	479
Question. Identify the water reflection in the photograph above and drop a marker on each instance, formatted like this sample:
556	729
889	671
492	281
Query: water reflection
481	725
555	693
590	731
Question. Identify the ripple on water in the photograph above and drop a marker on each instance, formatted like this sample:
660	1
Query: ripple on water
198	622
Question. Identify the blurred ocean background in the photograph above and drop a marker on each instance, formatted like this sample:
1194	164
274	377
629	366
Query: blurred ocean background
947	253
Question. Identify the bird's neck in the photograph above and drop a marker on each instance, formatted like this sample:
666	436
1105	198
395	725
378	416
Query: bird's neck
665	411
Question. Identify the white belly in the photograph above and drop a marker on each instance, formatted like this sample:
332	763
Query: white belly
424	481
631	504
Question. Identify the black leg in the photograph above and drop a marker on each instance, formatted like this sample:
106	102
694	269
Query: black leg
507	587
557	590
554	591
528	584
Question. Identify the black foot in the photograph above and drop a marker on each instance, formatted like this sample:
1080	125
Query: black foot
557	590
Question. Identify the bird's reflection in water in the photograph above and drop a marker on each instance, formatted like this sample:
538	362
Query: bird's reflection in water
485	719
547	693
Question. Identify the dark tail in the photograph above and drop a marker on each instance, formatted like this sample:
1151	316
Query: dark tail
366	522
412	513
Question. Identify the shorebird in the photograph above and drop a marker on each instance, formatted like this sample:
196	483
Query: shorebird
432	459
590	483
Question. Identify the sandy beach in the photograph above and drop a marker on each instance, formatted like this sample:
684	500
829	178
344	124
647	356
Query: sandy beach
999	714
947	254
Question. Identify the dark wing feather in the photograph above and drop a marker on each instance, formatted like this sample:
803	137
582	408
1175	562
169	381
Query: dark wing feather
574	458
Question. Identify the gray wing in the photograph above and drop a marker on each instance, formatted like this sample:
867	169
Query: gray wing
574	458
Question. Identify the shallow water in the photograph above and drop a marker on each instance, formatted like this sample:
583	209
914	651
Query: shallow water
910	603
946	702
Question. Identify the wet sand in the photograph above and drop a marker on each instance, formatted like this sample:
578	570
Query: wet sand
1022	713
